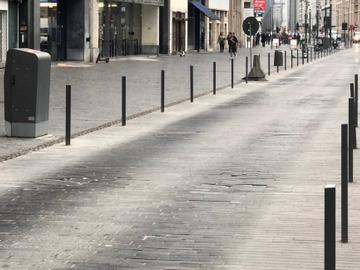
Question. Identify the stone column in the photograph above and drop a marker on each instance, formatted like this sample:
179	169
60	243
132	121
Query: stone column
94	29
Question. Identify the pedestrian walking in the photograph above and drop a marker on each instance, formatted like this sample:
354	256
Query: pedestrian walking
232	41
221	41
257	39
263	39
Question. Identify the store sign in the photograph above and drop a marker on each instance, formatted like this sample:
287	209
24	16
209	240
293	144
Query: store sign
259	6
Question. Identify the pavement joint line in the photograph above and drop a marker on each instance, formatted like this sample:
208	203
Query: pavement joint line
133	116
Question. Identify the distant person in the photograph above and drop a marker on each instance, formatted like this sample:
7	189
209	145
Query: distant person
232	41
268	38
263	39
257	39
298	38
221	41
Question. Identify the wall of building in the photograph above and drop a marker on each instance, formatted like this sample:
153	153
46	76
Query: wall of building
150	29
179	5
219	4
236	17
4	29
93	31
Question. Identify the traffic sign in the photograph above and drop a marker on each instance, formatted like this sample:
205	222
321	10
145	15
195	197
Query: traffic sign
251	26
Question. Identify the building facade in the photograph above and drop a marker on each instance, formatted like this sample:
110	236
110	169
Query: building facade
86	30
221	9
129	27
173	26
236	17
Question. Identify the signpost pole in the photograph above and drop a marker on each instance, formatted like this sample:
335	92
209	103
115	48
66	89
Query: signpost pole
251	41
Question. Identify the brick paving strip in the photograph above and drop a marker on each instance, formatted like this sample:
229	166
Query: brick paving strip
232	182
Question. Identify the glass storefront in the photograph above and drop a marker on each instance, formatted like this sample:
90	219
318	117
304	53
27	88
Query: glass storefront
119	28
62	29
49	27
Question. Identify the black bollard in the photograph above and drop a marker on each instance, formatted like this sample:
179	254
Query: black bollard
163	91
246	69
344	183
285	60
311	54
123	101
292	60
297	57
214	78
307	55
351	140
303	59
314	54
191	84
353	116
68	116
269	63
330	228
356	99
232	73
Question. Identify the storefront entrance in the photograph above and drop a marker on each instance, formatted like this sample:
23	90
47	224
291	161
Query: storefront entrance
178	32
62	29
120	28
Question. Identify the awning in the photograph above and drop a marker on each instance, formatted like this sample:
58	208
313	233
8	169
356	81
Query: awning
204	9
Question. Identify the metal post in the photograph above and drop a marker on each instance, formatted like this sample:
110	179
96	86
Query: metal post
191	84
307	55
232	73
269	64
297	57
68	116
330	227
302	53
311	54
246	69
292	60
162	90
214	78
123	101
285	60
351	141
353	115
344	183
356	99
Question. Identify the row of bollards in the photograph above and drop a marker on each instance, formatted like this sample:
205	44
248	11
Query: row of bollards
162	97
348	144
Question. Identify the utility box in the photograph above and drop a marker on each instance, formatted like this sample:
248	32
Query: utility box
27	92
278	59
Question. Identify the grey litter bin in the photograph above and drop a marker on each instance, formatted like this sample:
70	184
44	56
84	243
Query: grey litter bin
27	91
278	59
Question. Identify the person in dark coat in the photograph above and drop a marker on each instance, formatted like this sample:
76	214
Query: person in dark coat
263	39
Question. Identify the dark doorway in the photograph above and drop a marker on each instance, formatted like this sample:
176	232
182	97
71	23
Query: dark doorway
62	29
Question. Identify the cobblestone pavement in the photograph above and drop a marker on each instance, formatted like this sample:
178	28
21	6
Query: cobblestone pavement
97	89
233	181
